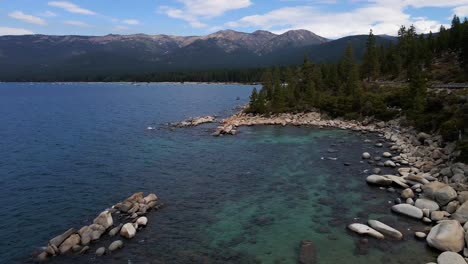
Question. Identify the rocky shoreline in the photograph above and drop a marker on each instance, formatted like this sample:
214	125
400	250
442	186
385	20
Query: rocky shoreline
124	219
433	188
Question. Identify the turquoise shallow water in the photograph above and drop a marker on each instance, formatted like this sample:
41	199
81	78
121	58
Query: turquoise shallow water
76	149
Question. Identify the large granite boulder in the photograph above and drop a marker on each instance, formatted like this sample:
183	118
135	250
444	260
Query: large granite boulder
104	219
56	241
71	241
448	235
445	195
128	231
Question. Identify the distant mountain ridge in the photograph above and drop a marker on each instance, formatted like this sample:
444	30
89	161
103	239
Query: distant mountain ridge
36	57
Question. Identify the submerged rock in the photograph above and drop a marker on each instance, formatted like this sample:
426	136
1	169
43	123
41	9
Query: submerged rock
114	231
307	252
115	245
100	251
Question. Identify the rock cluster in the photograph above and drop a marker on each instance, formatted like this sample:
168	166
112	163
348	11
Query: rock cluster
131	211
195	121
229	125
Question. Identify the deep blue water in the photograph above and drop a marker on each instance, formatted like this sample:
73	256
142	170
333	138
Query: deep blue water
72	150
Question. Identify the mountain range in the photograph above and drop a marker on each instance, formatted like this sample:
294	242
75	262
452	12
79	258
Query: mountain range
43	57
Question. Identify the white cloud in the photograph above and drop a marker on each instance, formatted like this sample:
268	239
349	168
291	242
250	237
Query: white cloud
436	3
384	17
461	11
193	11
71	7
131	22
76	23
14	31
121	28
48	14
27	18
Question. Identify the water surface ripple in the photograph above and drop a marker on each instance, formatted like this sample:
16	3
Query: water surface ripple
71	150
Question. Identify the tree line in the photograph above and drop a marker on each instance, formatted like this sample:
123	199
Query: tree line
351	89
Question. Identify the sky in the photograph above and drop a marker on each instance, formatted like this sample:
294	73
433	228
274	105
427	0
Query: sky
328	18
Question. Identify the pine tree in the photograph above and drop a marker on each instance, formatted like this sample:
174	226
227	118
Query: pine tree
253	104
370	66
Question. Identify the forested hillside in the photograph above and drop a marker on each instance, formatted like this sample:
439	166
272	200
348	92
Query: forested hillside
352	90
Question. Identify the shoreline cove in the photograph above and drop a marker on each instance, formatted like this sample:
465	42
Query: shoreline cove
432	187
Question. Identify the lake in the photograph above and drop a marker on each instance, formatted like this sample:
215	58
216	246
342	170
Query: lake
71	150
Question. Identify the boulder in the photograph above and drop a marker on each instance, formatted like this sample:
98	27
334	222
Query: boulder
450	258
365	230
69	243
42	257
142	221
408	210
100	251
448	235
452	207
426	203
389	163
135	197
96	231
387	155
407	193
307	252
128	231
85	234
150	198
56	241
385	229
379	180
463	197
104	219
439	215
115	245
366	155
462	213
430	188
114	231
445	195
83	250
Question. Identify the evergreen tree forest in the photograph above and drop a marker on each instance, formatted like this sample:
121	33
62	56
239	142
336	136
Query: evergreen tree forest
355	90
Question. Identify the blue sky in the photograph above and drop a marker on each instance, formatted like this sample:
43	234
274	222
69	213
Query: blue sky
328	18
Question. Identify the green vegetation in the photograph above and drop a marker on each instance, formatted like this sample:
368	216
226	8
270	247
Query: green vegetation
351	90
